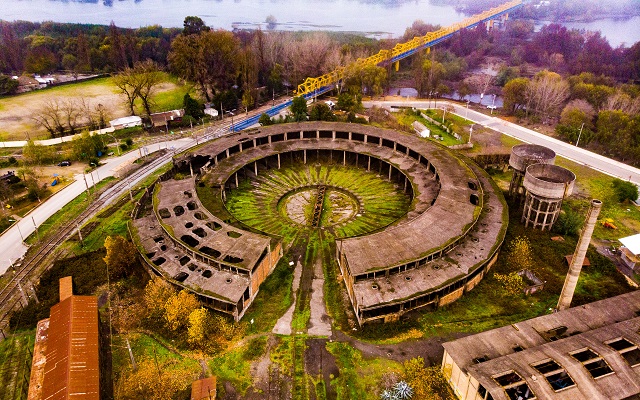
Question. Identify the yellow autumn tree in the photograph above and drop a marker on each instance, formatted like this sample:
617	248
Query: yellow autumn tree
428	383
519	255
156	294
199	327
178	308
121	255
160	381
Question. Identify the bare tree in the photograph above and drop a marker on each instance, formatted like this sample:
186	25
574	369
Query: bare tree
51	117
622	102
150	77
130	85
546	94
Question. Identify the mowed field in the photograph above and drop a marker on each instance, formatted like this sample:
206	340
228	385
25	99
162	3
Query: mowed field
17	113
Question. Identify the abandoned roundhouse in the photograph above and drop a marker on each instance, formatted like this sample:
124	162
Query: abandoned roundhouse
442	247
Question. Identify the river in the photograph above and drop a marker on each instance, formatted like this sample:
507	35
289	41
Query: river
376	18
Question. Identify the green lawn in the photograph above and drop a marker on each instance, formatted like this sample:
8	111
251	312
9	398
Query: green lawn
15	365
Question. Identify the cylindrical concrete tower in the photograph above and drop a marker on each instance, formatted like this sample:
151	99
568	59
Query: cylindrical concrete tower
547	185
521	157
578	256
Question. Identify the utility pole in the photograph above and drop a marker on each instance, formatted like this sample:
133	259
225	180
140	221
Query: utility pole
579	134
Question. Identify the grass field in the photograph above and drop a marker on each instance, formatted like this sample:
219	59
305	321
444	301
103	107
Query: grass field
17	112
15	365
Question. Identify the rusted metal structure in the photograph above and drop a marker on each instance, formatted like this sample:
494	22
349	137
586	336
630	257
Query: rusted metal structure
578	256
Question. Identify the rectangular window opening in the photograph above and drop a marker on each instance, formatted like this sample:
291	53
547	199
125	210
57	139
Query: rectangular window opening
584	355
520	392
598	368
547	366
632	357
482	391
508	379
560	381
621	344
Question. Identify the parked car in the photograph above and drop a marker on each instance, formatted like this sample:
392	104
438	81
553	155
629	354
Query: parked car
64	163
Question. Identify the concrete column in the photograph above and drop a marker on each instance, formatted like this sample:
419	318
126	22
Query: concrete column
344	157
389	172
333	135
236	175
255	167
405	184
578	257
369	164
357	160
305	155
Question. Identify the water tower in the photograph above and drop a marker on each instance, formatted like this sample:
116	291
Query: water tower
546	187
521	157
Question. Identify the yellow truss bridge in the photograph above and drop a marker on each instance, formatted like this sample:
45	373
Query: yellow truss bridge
324	83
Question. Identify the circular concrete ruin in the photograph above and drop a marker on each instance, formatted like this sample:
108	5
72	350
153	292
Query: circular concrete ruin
441	248
547	186
522	156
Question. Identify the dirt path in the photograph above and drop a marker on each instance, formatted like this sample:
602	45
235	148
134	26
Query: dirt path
319	322
283	326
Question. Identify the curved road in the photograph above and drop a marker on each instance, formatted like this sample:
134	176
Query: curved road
582	156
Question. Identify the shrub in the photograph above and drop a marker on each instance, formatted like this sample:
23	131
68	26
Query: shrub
625	190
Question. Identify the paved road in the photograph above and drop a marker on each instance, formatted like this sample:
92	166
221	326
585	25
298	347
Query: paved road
582	156
11	241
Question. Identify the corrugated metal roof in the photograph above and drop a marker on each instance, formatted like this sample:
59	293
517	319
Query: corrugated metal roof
72	368
204	389
632	243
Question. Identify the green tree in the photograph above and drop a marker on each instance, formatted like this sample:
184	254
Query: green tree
194	26
192	107
514	94
299	108
7	85
625	191
321	112
519	254
121	255
349	102
265	120
576	120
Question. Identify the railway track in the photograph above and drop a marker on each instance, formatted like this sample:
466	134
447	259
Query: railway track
10	298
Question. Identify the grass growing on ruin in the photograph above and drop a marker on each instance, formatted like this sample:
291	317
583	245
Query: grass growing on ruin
381	202
358	376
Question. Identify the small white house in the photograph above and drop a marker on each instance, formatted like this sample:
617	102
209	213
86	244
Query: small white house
630	251
126	122
212	112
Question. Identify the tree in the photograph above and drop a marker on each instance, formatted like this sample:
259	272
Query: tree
625	191
192	107
519	254
428	383
194	26
299	108
271	21
514	94
140	82
199	327
86	146
156	294
512	282
349	102
546	93
178	308
576	121
321	112
7	85
265	120
158	380
209	58
121	255
150	77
